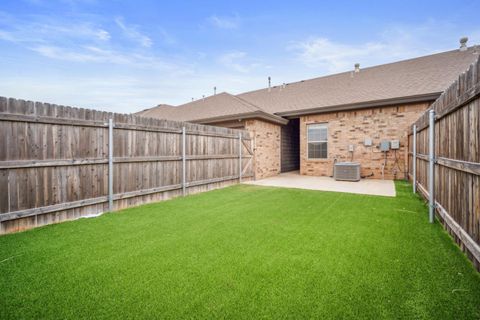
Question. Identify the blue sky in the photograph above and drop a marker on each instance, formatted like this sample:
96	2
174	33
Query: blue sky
125	56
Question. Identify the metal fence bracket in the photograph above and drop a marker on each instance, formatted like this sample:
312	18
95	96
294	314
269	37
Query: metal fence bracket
240	157
414	159
184	161
110	164
431	166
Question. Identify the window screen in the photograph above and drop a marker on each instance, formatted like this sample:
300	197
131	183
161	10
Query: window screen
317	141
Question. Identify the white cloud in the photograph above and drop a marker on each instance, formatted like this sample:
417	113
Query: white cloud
93	67
119	92
133	33
393	44
103	35
7	36
167	38
233	60
238	61
231	22
92	54
322	52
68	2
86	54
44	30
85	42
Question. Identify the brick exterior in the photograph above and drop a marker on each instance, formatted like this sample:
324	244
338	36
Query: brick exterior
352	127
267	147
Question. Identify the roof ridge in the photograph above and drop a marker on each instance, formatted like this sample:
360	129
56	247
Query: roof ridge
248	103
197	100
240	100
204	98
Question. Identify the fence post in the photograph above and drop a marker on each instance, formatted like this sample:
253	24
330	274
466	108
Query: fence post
254	155
184	160
110	164
414	158
240	157
431	166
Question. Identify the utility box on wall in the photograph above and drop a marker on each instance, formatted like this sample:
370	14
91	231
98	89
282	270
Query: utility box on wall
395	144
384	145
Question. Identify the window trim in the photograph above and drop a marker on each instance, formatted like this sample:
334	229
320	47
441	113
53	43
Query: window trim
308	140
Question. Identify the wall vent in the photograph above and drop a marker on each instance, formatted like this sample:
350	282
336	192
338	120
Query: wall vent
347	171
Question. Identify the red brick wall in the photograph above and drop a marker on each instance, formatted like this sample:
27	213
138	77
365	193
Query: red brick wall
352	127
267	147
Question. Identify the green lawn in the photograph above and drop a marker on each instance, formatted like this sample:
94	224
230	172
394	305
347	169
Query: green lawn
243	252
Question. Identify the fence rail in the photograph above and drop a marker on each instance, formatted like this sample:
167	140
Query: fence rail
60	163
455	159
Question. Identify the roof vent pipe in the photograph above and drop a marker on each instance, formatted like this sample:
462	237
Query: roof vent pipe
463	43
203	97
214	90
357	67
269	83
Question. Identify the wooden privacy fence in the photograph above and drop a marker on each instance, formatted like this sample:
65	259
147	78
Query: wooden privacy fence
454	158
60	163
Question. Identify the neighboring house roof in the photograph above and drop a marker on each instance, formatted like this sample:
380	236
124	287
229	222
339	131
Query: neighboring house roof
413	80
159	109
219	107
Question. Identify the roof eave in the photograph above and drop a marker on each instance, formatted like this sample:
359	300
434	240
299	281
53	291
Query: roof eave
362	105
242	116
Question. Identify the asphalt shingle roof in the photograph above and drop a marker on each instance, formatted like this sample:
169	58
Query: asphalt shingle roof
161	109
218	105
413	77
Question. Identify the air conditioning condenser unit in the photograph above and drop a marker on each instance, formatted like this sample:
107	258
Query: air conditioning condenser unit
346	171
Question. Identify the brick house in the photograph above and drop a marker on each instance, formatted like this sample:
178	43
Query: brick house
310	124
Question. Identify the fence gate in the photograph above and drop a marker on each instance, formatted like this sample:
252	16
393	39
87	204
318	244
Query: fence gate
246	157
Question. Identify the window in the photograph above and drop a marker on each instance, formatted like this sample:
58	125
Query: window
317	141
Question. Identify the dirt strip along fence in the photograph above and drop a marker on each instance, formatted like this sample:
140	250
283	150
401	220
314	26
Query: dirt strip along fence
55	164
456	160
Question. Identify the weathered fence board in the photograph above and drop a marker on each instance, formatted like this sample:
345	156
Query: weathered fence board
54	161
457	160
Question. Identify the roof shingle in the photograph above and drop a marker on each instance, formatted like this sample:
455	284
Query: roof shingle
218	105
428	75
413	77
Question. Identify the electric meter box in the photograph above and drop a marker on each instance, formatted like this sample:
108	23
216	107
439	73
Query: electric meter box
384	145
395	144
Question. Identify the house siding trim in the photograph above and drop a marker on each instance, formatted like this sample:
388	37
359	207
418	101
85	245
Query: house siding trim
426	98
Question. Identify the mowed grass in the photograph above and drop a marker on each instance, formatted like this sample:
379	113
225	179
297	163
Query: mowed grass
243	252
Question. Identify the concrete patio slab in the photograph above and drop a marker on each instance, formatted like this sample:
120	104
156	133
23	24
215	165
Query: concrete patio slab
295	180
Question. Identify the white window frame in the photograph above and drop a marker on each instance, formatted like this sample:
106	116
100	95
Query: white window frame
323	124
